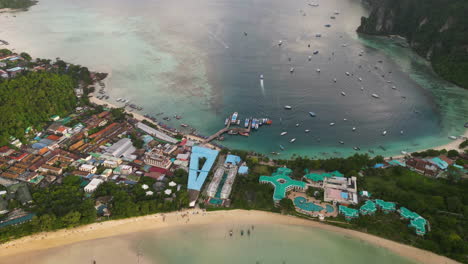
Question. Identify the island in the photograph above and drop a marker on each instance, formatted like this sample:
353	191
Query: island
68	159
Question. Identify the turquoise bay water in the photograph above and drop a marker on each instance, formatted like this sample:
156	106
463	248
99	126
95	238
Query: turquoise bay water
266	244
193	59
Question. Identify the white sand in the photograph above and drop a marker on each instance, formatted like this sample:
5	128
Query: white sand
27	247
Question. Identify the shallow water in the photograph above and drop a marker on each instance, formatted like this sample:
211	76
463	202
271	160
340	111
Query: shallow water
193	59
267	243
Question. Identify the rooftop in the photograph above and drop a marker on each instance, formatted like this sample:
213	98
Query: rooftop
282	182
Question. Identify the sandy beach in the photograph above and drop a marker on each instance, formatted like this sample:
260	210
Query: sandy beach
32	244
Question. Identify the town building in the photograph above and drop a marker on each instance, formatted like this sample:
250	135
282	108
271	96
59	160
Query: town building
92	185
122	148
88	168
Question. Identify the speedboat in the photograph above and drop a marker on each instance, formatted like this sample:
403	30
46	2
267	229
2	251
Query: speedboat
316	52
341	142
261	76
281	147
453	137
310	57
343	93
291	70
334	79
280	43
360	79
283	133
332	124
347	73
297	125
354	129
356	148
401	132
307	130
318	70
345	119
404	152
384	133
287	107
292	140
183	125
394	87
375	96
312	114
362	88
119	99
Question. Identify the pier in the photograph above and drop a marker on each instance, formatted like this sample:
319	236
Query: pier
236	130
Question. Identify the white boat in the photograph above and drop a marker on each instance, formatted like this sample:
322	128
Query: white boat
453	137
261	76
334	79
404	152
283	133
360	79
318	70
341	142
292	140
401	132
291	70
310	57
384	133
345	119
375	96
119	99
297	124
307	130
394	87
332	124
347	73
354	129
362	88
343	93
287	107
280	43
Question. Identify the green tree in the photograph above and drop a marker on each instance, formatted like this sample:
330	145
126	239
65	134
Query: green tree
287	206
71	219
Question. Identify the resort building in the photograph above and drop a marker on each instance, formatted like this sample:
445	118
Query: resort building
348	213
340	189
386	206
416	221
92	186
368	208
282	183
221	185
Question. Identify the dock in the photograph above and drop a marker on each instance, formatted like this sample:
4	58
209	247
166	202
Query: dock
228	128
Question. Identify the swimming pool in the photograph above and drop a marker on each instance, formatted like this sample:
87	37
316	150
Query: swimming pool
302	203
329	208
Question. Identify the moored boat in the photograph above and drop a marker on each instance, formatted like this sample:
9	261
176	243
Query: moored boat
283	133
312	114
287	107
292	140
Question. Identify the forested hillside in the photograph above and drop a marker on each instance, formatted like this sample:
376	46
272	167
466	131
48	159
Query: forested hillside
435	29
15	4
31	99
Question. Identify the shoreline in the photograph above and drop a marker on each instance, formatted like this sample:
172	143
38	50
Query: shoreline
449	146
49	240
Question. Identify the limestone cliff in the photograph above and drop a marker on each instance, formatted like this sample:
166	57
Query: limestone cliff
435	29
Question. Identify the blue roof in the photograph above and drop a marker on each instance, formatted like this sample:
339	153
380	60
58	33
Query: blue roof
15	69
243	170
38	145
439	163
197	176
233	159
18	220
344	195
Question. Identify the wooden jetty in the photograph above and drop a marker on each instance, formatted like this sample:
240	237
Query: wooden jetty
228	128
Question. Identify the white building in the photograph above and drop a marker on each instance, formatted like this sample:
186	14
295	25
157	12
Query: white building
155	133
122	148
92	186
88	168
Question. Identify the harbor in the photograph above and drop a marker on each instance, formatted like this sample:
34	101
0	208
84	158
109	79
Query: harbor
231	127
